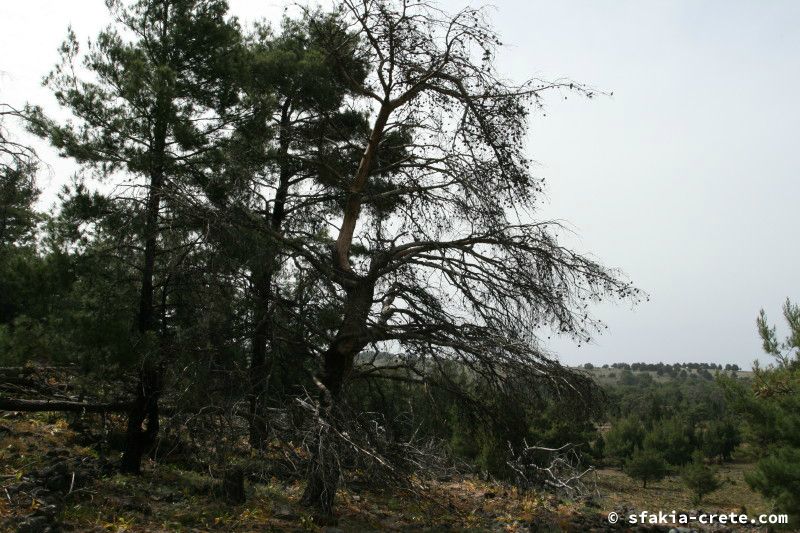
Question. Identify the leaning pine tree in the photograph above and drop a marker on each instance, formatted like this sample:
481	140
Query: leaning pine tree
437	256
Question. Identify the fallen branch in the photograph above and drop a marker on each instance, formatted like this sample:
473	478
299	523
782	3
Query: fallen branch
33	406
32	369
557	469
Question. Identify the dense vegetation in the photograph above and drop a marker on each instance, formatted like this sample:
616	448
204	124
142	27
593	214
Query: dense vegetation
687	421
323	231
311	251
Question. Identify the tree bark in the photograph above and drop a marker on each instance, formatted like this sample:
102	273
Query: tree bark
352	209
258	364
232	487
263	273
139	439
323	472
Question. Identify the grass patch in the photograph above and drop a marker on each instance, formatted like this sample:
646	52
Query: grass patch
735	494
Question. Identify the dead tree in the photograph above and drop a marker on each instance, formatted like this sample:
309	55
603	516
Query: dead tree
437	255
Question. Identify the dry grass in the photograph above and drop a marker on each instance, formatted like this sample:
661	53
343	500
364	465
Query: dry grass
670	494
168	498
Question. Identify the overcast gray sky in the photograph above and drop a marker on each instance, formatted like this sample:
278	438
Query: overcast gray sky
686	178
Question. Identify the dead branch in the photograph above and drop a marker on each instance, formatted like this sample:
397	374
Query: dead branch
559	469
35	406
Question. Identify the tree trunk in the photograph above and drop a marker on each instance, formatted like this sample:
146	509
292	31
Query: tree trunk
323	470
263	273
258	363
232	487
352	208
138	440
140	437
323	473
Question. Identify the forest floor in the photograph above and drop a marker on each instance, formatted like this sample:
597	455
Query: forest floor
48	475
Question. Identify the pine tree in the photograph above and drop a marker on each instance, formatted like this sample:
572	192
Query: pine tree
673	437
150	115
431	252
771	408
624	437
298	96
18	191
720	438
700	478
646	465
18	220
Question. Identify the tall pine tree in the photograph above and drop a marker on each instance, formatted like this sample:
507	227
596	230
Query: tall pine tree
151	98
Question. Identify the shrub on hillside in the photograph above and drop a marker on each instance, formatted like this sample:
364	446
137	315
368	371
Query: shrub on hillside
646	465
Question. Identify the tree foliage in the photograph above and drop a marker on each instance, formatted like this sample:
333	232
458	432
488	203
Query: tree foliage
771	408
624	437
646	465
344	203
700	478
674	437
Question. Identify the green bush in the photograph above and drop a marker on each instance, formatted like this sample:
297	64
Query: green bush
623	438
646	465
700	478
771	409
777	476
720	438
673	437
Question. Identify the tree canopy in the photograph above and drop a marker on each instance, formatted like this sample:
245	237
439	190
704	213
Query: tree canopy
342	204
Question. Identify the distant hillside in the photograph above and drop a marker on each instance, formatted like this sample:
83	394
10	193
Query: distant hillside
661	372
